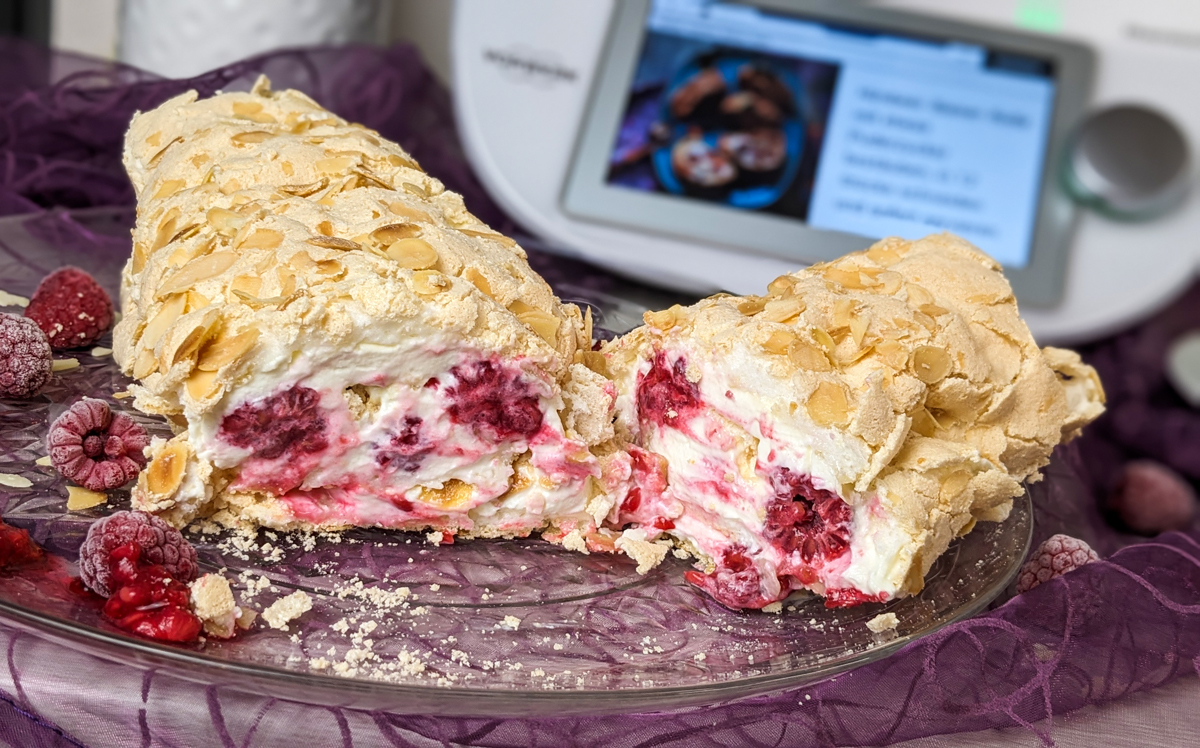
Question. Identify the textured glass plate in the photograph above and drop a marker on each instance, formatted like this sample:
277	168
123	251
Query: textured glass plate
486	628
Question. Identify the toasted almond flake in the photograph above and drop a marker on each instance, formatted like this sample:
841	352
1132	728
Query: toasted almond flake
226	349
187	344
842	310
305	190
918	296
287	279
403	210
824	340
429	282
196	271
333	242
827	405
247	107
145	363
883	256
101	352
393	232
781	285
924	423
262	118
202	384
165	472
169	187
506	241
44	461
414	254
154	139
335	165
330	269
196	300
79	498
162	152
809	357
224	222
889	282
14	481
326	201
477	279
933	310
141	253
543	323
751	305
783	309
325	228
596	361
8	299
931	364
64	364
415	189
166	230
262	239
779	342
847	278
302	262
122	394
664	319
250	137
402	162
858	329
247	284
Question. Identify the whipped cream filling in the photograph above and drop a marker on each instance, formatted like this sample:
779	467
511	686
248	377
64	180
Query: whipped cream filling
388	447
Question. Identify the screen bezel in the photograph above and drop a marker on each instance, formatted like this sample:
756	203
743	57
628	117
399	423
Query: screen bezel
587	195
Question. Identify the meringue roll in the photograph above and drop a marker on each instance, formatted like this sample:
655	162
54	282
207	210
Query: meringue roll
339	342
837	433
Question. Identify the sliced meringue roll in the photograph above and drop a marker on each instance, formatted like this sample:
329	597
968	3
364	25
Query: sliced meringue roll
339	342
837	433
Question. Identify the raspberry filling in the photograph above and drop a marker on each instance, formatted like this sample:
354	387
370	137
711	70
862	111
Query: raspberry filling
664	394
497	404
147	600
404	450
16	547
807	519
849	597
736	582
288	422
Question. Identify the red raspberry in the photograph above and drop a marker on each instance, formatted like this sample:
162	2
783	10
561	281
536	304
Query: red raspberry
71	308
16	547
1152	498
96	448
808	519
25	357
147	600
496	403
1053	558
665	395
160	544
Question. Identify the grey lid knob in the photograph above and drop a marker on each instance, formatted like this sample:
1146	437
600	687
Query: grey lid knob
1128	162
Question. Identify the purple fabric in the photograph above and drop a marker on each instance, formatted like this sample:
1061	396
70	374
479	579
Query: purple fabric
1115	628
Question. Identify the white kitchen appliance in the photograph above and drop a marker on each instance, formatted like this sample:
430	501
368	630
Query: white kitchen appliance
523	81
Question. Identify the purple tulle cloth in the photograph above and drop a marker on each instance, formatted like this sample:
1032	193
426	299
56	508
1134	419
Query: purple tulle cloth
1127	624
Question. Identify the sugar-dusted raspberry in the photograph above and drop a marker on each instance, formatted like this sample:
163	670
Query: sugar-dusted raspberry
736	581
147	599
665	395
25	357
1053	558
71	308
96	448
1151	498
497	403
160	543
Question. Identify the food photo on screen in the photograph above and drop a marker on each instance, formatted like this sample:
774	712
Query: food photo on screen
724	124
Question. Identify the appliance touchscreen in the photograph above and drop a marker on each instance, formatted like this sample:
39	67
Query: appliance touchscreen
843	127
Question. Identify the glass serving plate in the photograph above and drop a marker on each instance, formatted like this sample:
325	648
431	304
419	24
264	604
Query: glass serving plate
495	628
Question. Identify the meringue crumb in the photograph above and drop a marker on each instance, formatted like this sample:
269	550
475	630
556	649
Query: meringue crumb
775	607
212	602
101	351
64	364
44	461
11	299
648	554
318	663
434	538
511	623
699	657
122	394
14	481
573	541
287	609
79	497
883	622
434	587
246	617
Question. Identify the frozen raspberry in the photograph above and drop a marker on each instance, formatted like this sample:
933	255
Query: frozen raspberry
807	519
496	403
147	599
289	422
25	357
96	448
1053	558
664	394
71	308
1151	498
160	544
16	547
